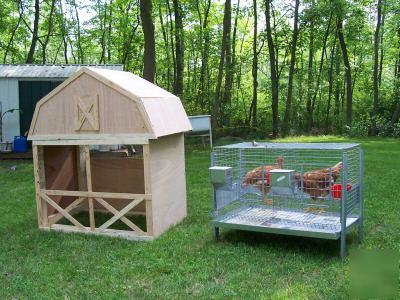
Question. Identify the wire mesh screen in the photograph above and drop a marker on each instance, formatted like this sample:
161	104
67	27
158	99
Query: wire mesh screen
290	184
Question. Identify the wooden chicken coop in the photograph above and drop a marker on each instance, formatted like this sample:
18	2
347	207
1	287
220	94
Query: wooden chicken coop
108	153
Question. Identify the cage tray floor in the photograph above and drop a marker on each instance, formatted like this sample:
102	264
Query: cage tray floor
266	219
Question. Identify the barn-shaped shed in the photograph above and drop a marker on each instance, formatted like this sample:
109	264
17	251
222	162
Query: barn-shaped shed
143	174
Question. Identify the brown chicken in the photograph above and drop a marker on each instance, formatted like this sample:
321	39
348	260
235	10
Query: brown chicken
316	182
255	177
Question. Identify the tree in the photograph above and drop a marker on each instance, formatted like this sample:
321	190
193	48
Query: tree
35	31
49	30
347	70
376	67
149	68
286	118
310	79
254	71
273	70
205	37
216	109
179	48
396	113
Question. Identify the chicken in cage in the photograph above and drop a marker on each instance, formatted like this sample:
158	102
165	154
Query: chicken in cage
303	189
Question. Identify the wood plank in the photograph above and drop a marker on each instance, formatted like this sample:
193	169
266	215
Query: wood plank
89	186
57	217
40	182
92	136
62	211
109	141
147	189
128	235
121	213
124	219
126	196
81	168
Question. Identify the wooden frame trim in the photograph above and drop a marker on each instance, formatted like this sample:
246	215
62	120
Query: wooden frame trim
62	211
91	136
119	214
44	199
85	194
40	183
57	217
147	189
129	235
124	219
86	153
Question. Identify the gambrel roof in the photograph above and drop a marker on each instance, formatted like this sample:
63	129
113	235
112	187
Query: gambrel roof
95	104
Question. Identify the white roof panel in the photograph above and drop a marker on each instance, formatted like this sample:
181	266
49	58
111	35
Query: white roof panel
47	71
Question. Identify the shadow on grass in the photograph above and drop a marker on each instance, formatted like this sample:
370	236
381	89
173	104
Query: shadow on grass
282	243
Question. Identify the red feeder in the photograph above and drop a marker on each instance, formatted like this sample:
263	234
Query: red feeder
337	190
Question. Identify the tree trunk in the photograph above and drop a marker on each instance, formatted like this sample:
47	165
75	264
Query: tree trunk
381	42
49	29
205	35
330	87
217	100
171	32
375	110
228	71
63	32
321	64
396	113
35	37
78	35
349	96
204	55
310	84
110	19
166	43
149	69
179	48
286	118
11	40
254	71
273	70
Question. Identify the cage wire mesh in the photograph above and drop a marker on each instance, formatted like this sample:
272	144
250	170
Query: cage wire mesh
290	186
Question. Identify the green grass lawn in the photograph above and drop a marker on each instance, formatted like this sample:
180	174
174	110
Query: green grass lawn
186	261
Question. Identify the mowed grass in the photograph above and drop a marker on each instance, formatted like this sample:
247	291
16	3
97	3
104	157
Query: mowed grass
186	262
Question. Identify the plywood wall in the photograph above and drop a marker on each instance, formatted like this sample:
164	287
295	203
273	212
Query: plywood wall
168	183
60	172
117	113
118	175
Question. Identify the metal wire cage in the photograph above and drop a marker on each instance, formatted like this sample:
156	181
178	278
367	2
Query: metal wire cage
304	189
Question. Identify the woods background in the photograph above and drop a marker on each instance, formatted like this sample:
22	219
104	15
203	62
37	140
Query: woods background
259	67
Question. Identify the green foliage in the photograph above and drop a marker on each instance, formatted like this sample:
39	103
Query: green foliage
109	31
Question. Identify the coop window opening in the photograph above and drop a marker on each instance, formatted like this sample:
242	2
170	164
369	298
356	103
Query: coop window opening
307	189
93	189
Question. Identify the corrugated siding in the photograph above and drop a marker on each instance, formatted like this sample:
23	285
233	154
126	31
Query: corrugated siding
47	71
9	100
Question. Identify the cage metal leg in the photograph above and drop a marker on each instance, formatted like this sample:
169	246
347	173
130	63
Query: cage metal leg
360	231
342	245
216	233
